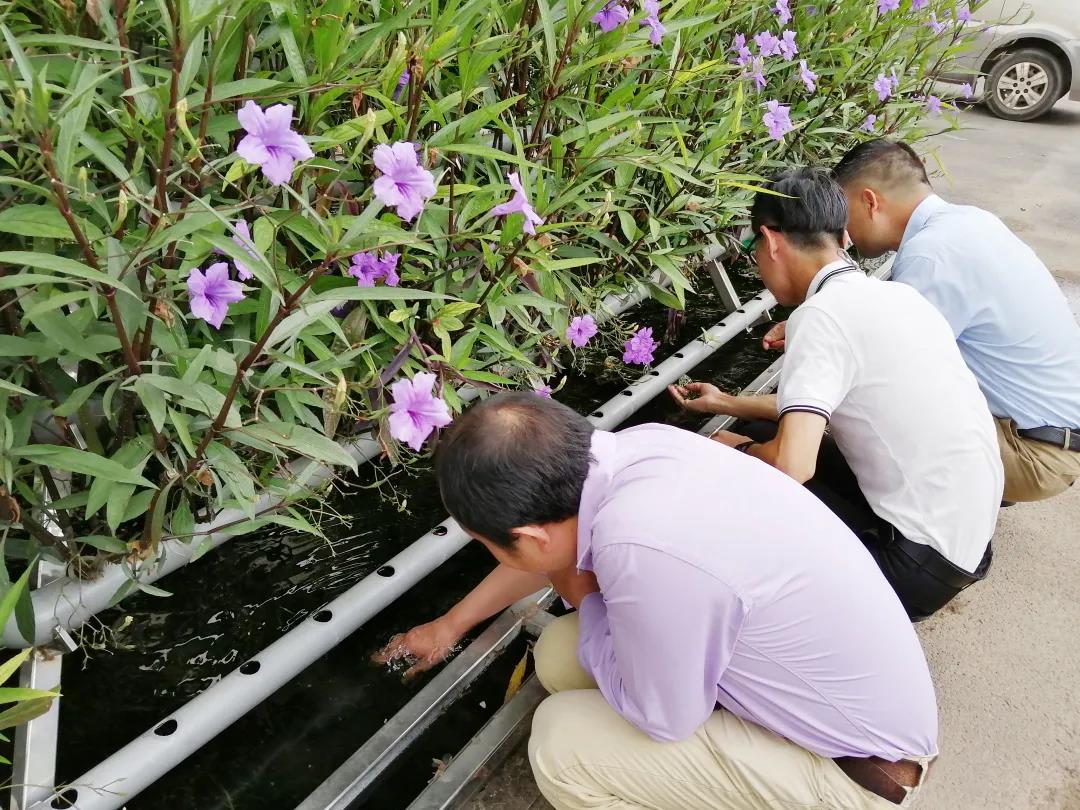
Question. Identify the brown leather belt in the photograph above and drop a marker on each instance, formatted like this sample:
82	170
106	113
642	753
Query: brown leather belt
881	777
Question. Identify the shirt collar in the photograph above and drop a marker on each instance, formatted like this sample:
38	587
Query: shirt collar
921	215
828	271
594	493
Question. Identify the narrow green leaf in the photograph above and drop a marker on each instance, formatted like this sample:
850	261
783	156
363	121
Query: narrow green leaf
24	712
11	666
80	461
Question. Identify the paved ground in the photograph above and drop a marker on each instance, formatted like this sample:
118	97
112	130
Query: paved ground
1006	654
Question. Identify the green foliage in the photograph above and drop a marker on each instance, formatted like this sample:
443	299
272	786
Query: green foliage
119	176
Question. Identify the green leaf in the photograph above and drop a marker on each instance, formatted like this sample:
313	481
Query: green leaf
24	712
105	543
116	504
9	667
182	522
80	461
303	440
10	694
12	595
153	400
152	590
58	264
43	221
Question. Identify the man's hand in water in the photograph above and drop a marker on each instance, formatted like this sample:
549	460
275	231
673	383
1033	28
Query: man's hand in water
700	397
428	645
574	585
775	338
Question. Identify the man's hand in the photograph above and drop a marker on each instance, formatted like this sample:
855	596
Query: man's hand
776	337
729	438
574	585
429	644
700	397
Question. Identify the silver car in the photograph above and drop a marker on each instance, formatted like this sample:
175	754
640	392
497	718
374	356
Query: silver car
1029	53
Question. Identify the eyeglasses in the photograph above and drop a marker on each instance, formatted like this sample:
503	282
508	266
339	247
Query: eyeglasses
750	243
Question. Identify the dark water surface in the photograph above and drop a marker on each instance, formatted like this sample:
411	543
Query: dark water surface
164	651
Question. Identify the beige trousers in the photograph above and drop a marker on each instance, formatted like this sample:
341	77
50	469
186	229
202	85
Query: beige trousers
1034	470
584	755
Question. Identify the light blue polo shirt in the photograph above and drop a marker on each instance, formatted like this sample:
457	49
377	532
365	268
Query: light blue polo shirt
1012	322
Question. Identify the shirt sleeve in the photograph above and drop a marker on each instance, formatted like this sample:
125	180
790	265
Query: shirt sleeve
819	366
940	286
657	638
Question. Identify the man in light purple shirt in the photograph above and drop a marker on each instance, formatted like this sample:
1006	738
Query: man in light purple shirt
734	646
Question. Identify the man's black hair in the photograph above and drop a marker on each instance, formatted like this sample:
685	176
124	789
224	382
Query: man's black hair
883	163
516	459
806	205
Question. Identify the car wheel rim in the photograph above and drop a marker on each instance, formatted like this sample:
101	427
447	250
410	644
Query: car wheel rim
1023	86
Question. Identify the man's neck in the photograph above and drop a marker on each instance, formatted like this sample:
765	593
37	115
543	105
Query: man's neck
808	265
904	209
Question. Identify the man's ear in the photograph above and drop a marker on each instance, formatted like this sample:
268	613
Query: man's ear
537	535
772	241
872	200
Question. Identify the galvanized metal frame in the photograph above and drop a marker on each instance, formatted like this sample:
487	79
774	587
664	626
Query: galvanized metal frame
158	750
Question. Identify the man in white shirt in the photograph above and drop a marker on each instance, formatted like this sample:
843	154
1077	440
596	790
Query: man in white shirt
914	470
1010	319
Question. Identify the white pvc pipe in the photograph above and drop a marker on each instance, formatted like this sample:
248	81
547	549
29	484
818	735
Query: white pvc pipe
69	602
142	761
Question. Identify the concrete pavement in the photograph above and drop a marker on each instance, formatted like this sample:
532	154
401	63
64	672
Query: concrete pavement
1005	654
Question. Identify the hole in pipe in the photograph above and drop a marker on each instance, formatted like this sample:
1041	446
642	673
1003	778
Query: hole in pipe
627	393
386	571
654	373
166	728
323	616
678	354
439	531
250	667
598	414
65	799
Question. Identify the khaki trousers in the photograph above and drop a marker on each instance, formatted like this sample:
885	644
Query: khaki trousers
584	755
1034	470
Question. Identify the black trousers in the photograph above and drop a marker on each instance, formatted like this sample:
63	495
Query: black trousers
923	579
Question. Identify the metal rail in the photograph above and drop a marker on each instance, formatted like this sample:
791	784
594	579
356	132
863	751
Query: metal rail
154	753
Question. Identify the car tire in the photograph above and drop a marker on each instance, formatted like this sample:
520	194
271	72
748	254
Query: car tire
1024	85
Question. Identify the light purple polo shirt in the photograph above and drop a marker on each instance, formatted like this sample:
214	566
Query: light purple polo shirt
724	581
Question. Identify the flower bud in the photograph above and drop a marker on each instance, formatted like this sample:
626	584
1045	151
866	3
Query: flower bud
84	183
19	113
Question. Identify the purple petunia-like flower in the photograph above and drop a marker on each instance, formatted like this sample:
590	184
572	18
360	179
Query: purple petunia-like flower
652	20
543	391
519	204
611	16
739	42
581	330
777	120
809	78
271	143
639	349
869	123
936	26
758	74
963	14
212	292
783	11
885	6
404	183
243	239
918	5
416	411
966	90
367	268
402	83
933	105
883	86
745	57
788	47
767	44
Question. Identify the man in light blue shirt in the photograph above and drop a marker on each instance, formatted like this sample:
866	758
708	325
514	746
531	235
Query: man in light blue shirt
1011	321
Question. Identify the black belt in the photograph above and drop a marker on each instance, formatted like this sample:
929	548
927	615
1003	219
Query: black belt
1065	438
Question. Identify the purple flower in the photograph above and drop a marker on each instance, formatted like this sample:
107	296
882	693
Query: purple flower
966	90
868	124
918	5
739	43
788	47
652	19
519	204
415	411
883	86
611	16
808	76
758	74
367	268
639	349
581	330
768	45
933	105
885	6
811	11
894	79
404	182
402	83
777	120
243	240
963	14
543	391
212	293
270	142
783	11
745	57
938	27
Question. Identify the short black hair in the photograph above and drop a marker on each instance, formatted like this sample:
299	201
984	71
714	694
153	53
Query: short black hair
806	205
881	162
515	459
